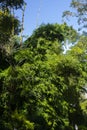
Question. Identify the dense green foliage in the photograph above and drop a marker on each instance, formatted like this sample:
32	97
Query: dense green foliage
42	86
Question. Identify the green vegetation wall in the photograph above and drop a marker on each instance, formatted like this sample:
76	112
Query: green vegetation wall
40	86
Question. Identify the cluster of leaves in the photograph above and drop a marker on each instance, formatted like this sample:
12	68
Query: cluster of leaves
11	3
8	25
54	32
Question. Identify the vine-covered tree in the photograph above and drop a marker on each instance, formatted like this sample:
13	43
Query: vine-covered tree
41	90
41	87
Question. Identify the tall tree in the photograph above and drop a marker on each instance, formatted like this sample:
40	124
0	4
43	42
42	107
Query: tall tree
80	7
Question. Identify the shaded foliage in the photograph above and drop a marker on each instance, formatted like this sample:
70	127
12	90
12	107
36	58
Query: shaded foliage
11	3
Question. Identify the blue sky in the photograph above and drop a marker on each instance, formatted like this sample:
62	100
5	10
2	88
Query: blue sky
44	11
